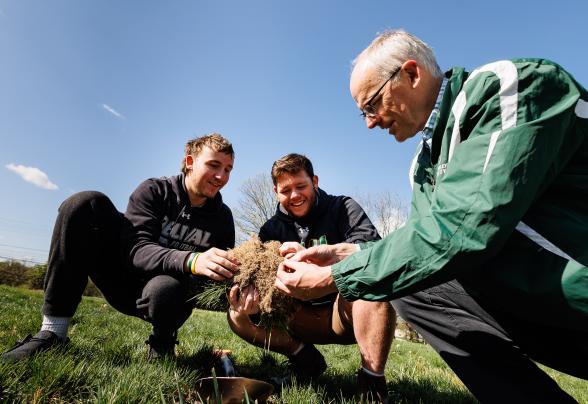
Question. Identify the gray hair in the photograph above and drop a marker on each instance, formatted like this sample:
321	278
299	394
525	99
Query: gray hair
394	47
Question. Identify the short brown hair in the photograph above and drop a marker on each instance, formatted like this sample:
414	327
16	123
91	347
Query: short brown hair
213	140
291	163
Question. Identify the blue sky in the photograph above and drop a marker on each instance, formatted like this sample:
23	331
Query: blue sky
103	94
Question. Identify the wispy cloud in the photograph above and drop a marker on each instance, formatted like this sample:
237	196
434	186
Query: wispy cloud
33	175
113	111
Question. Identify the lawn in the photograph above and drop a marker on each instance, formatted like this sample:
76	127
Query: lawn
105	362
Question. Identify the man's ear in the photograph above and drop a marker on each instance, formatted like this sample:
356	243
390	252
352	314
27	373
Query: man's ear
315	182
413	70
275	189
189	160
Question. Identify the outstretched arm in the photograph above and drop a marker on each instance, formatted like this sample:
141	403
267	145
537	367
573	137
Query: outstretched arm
324	255
304	281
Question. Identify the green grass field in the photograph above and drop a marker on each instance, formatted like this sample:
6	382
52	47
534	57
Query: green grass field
105	362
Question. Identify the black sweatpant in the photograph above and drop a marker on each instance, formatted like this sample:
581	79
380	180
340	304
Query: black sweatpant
86	243
490	350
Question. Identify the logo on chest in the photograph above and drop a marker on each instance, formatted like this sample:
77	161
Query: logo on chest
184	237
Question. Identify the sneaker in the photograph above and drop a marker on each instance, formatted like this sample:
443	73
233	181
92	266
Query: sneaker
309	363
305	366
29	346
372	388
160	348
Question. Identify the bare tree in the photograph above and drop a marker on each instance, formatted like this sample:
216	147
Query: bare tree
256	206
386	211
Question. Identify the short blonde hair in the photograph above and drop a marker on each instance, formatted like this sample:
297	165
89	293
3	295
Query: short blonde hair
215	141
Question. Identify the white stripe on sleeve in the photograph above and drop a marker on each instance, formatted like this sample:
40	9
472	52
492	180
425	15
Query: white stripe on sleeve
507	73
582	109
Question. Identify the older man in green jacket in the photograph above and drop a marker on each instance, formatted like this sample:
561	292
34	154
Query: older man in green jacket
492	262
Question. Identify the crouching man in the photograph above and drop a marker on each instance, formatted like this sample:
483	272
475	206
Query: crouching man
144	262
307	216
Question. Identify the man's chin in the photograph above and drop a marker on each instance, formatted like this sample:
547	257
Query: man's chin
297	213
215	190
401	137
211	194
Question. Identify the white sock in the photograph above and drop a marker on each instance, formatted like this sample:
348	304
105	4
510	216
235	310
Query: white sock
57	325
298	349
369	372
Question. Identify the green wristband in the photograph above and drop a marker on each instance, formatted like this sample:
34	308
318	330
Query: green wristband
189	263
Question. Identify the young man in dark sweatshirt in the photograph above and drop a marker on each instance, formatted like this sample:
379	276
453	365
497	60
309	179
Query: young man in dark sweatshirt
307	216
146	261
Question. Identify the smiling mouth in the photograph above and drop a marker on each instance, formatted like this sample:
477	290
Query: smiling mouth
297	204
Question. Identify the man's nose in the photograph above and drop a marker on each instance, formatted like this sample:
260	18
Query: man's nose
372	122
222	175
294	194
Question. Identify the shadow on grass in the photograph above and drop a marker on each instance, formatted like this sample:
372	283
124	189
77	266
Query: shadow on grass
332	388
202	361
206	362
412	391
267	367
339	388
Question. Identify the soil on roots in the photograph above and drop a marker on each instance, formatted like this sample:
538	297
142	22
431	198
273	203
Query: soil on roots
258	267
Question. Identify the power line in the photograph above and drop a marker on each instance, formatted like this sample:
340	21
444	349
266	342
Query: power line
21	259
23	248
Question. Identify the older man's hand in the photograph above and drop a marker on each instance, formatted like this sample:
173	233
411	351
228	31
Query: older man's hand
304	281
289	248
324	255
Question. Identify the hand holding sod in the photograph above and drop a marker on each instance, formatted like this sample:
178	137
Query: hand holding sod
245	301
215	264
303	280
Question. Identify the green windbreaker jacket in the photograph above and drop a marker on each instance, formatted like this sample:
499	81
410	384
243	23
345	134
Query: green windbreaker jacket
500	199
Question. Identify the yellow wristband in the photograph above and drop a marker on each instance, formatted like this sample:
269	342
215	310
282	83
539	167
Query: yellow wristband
189	263
193	263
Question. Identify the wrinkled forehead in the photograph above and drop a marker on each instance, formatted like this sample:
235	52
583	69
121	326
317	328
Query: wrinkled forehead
362	82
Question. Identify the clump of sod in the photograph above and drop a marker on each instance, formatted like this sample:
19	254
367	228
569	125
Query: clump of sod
258	266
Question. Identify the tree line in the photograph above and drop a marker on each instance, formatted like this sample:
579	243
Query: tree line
14	273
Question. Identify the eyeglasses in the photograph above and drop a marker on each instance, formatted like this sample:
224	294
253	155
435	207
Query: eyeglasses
369	111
